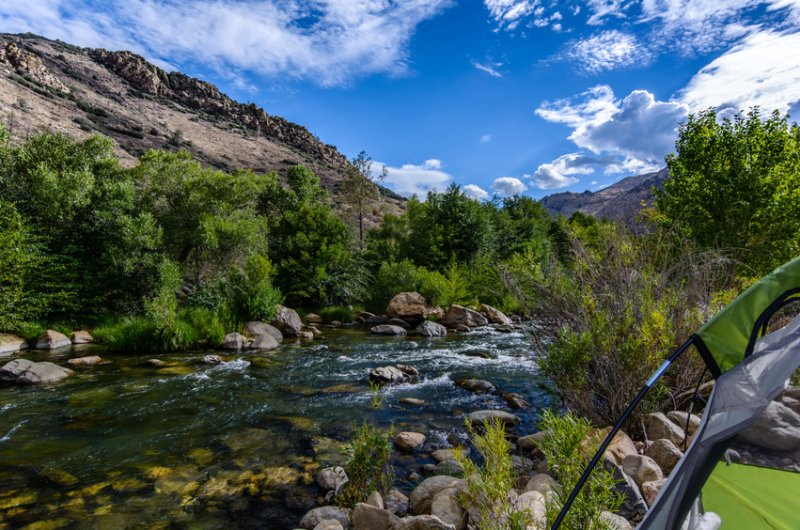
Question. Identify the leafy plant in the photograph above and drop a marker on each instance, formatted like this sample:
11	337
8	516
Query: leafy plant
376	394
368	466
568	447
488	487
340	313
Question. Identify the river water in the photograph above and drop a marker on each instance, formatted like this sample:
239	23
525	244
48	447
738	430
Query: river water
236	445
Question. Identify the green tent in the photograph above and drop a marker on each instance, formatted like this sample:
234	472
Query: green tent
706	491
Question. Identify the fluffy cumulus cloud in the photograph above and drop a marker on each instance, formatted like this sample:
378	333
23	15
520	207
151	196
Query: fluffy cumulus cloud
561	172
508	186
414	179
327	41
476	192
762	70
608	50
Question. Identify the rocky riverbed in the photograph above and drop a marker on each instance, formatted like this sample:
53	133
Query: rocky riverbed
131	442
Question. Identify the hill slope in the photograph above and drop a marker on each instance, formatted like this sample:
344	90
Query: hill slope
50	85
621	201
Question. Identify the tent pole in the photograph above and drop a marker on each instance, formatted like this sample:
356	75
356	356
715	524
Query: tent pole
625	415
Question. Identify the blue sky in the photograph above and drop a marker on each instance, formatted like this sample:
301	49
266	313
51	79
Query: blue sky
499	96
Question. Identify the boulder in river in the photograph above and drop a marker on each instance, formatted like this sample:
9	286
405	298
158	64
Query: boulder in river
431	329
393	375
482	417
52	340
386	329
459	315
25	372
515	401
10	344
81	337
409	441
495	316
90	360
255	329
416	402
476	386
287	321
234	341
313	318
264	342
409	306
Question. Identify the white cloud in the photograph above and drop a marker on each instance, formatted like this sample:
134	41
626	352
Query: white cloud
508	186
608	50
559	173
509	13
476	192
602	9
413	179
490	68
762	70
486	138
596	104
327	41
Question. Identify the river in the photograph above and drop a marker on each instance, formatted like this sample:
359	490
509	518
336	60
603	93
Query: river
235	445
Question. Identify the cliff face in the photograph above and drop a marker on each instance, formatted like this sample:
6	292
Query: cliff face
622	201
50	85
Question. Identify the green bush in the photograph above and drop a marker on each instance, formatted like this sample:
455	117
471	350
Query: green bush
340	313
567	454
368	466
249	292
487	487
392	278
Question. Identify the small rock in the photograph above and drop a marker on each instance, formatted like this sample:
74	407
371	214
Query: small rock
409	441
535	502
317	515
390	375
476	386
665	453
615	522
52	340
81	337
481	417
544	484
642	469
367	517
156	362
306	335
234	341
329	524
620	447
375	500
450	467
657	426
264	342
90	360
678	417
211	359
431	329
10	344
650	490
521	465
515	401
440	455
332	478
313	318
398	322
397	503
412	401
459	315
531	442
446	507
376	320
423	522
387	329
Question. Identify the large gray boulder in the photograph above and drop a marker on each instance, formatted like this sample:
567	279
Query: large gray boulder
264	342
396	502
642	469
368	517
448	509
777	429
317	515
421	498
633	505
256	329
25	372
388	329
431	329
10	344
482	417
52	340
665	453
679	417
287	321
461	316
409	306
495	316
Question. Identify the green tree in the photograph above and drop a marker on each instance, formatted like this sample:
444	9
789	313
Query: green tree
359	190
735	185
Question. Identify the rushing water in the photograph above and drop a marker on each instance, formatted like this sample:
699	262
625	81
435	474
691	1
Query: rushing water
130	445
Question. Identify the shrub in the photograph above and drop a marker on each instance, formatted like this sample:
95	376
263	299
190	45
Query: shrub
368	466
567	453
340	313
487	488
392	278
249	292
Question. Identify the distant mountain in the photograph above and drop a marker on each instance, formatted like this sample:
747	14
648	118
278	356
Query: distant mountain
621	201
51	85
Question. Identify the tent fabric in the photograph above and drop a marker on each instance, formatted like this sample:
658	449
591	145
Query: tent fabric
727	337
739	396
753	498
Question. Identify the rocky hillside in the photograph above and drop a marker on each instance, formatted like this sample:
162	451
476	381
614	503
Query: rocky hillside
621	201
50	85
